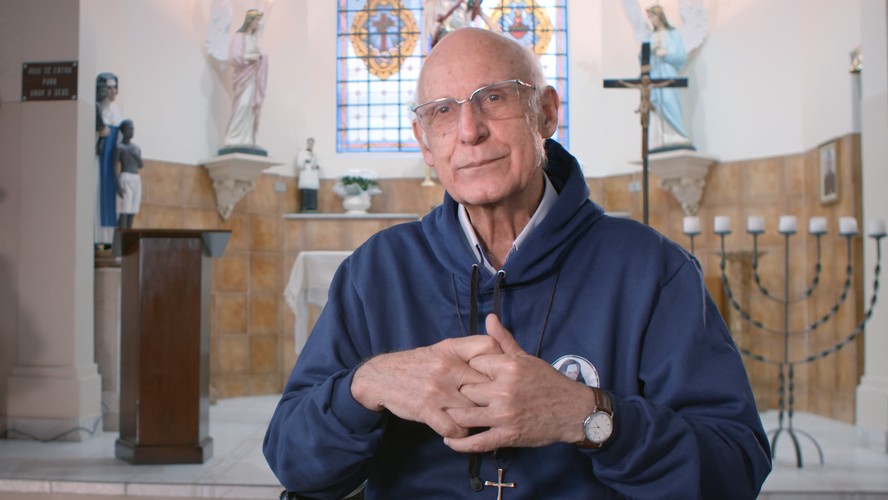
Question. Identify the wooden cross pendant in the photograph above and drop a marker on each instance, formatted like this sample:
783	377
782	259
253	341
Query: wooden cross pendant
499	484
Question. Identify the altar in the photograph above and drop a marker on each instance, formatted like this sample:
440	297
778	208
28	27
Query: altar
308	285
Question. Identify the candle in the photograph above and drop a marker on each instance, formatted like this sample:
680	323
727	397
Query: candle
721	224
755	224
789	224
847	226
876	228
691	225
817	225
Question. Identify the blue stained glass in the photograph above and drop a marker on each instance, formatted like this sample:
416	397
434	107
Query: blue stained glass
380	50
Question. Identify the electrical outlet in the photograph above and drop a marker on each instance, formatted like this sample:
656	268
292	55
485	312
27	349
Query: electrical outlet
280	187
634	186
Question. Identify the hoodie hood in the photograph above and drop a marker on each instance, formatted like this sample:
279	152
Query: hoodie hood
539	256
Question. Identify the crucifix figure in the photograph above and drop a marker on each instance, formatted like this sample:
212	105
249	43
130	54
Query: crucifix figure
499	484
645	83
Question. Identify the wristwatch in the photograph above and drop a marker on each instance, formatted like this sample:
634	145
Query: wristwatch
599	425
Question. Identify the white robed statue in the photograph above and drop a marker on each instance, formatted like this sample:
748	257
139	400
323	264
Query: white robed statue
249	76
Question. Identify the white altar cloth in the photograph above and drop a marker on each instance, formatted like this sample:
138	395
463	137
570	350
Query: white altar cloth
309	282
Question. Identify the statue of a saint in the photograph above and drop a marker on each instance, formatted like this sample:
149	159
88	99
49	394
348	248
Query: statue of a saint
250	74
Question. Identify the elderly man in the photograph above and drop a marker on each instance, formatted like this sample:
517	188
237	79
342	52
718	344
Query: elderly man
434	370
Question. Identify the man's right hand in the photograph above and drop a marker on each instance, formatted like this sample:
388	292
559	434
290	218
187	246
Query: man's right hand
420	384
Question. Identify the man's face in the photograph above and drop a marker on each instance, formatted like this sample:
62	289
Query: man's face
480	161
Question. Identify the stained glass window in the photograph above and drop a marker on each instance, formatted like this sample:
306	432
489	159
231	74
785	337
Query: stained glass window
381	44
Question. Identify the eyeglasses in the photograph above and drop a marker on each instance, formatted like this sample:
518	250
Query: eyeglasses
496	101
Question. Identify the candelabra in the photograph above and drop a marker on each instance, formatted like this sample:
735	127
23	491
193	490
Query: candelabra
788	226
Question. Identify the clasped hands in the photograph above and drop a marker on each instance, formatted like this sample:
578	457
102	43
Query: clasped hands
478	382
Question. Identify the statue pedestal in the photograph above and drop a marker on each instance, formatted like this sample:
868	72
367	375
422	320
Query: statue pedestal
234	175
682	173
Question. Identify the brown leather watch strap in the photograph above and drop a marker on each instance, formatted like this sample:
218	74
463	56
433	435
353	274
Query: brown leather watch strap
604	404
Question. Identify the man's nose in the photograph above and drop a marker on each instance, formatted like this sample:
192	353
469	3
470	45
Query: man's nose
471	127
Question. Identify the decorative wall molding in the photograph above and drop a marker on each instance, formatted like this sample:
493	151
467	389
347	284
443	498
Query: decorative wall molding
234	175
682	173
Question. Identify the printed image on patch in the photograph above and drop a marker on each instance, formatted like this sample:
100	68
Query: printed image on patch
577	368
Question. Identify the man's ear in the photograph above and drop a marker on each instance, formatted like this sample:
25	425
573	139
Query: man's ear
549	105
419	133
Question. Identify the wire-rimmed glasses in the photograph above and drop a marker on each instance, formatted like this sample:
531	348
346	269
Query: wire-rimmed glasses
496	101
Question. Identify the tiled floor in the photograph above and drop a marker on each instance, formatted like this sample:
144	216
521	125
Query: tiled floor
32	470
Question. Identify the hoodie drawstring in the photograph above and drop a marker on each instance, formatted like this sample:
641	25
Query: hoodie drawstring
473	300
475	458
497	301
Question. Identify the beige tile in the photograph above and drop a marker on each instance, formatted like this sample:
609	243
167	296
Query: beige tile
230	386
264	354
264	232
265	273
239	224
617	196
798	175
722	185
231	312
264	312
262	199
165	184
763	178
164	217
288	201
201	218
231	272
231	354
197	187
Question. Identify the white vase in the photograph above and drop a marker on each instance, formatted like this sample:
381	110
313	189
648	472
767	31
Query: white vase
356	203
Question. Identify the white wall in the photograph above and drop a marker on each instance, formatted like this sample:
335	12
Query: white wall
771	79
872	393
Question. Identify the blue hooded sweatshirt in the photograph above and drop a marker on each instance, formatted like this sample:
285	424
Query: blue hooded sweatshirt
608	295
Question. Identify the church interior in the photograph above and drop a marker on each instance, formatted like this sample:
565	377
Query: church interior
779	94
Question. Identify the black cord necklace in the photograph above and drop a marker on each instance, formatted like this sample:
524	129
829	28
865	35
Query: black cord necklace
502	458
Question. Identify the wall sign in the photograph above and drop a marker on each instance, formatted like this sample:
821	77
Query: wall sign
55	81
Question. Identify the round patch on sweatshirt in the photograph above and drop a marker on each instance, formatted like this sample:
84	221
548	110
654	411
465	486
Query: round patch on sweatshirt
577	368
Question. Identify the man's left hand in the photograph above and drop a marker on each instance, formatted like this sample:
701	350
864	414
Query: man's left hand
527	403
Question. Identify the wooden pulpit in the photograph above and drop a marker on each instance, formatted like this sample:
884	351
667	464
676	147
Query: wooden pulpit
165	344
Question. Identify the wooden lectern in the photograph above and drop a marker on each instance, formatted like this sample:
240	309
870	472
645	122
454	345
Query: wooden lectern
165	344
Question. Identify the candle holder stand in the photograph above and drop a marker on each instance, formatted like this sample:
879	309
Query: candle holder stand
786	378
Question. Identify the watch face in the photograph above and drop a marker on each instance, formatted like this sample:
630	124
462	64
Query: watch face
598	427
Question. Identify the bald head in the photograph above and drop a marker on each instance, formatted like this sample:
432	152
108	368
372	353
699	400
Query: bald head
481	54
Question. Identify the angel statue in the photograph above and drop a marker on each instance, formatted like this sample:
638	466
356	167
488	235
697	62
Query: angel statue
669	53
249	74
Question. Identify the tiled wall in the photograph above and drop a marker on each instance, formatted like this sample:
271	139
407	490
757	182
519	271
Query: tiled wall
252	326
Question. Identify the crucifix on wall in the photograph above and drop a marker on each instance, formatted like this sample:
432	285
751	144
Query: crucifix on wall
645	83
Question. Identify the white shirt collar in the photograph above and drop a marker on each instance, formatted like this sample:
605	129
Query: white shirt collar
545	206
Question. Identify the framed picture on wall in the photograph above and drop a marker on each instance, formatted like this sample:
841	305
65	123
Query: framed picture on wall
828	156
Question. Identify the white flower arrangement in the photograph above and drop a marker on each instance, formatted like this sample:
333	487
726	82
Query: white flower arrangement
356	182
